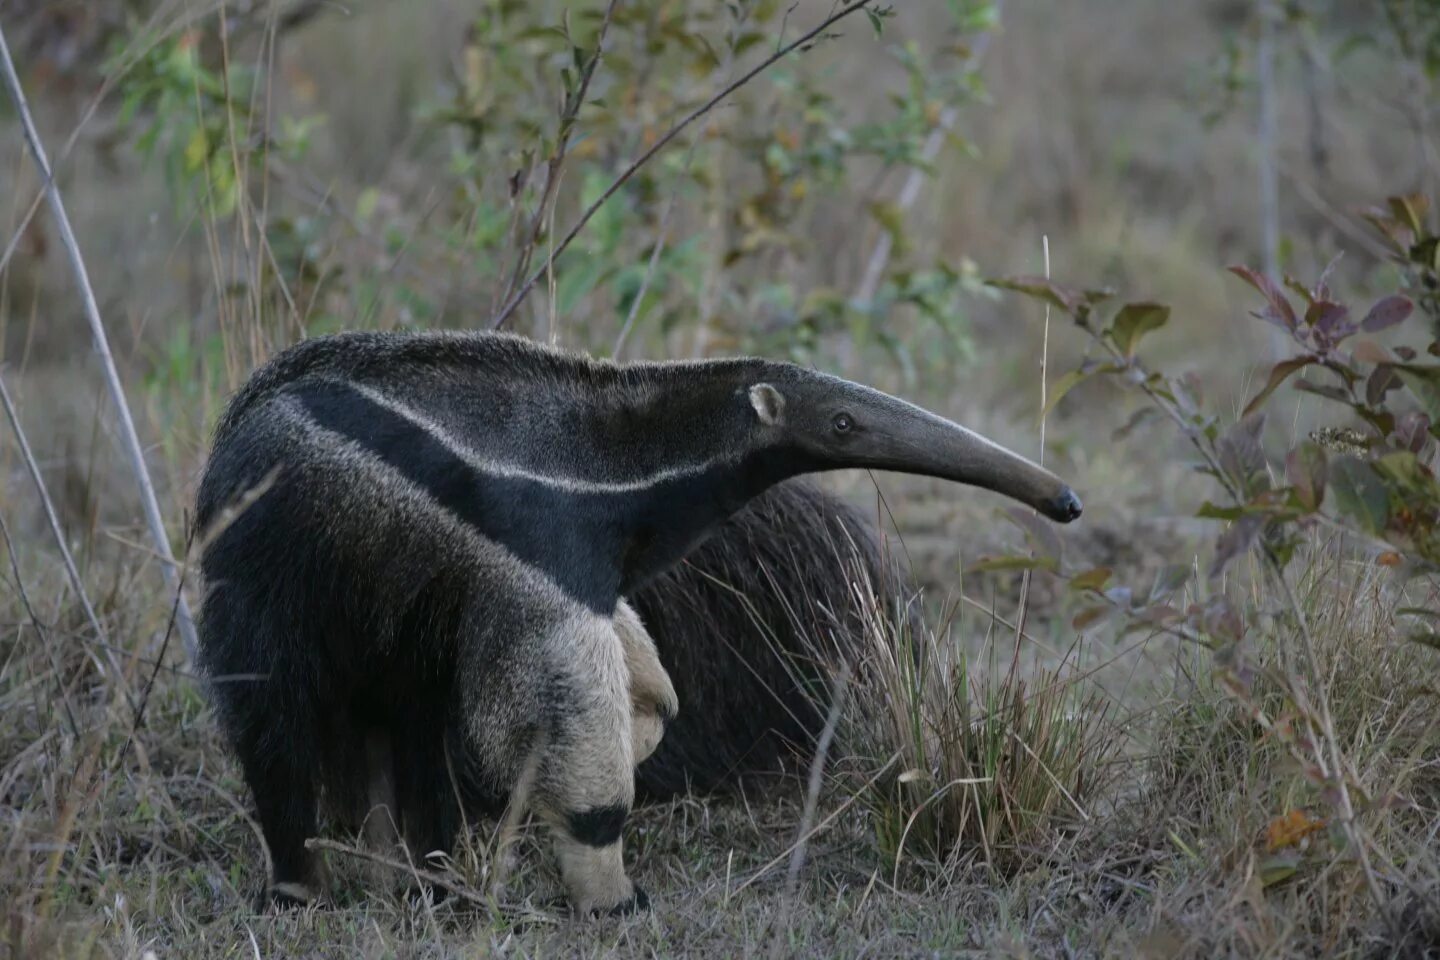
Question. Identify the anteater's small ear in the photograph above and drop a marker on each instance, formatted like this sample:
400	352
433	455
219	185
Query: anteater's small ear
768	403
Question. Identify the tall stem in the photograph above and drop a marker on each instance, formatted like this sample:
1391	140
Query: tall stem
131	440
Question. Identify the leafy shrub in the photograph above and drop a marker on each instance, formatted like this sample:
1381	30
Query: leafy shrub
1370	475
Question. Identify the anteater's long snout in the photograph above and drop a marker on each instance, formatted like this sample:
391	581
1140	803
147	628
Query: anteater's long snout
1065	507
963	455
913	440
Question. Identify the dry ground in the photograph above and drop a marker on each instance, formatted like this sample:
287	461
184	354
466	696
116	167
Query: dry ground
124	835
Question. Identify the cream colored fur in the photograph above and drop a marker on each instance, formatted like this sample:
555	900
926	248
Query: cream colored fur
590	763
652	696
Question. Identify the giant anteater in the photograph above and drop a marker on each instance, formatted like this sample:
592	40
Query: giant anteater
414	538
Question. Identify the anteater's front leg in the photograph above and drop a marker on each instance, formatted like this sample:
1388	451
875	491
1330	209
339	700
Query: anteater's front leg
586	780
652	696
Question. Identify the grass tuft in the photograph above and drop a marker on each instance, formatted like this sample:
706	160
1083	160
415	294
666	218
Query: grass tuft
988	765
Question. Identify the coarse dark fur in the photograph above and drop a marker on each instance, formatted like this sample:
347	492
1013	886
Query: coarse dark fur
417	545
749	626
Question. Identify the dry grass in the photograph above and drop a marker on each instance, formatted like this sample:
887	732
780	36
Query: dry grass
121	837
1066	793
997	762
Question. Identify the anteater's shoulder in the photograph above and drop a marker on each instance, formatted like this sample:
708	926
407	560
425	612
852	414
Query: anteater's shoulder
363	355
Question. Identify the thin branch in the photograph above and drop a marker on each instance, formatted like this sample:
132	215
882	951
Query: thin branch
1268	159
510	306
39	629
431	877
568	116
810	834
131	439
839	691
33	468
910	189
428	876
71	570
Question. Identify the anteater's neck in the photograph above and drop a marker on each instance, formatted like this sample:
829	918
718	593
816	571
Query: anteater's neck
695	425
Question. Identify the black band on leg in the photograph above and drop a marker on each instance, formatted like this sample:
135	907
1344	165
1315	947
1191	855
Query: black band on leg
598	826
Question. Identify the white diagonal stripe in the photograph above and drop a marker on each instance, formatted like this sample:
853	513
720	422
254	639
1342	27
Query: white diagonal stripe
514	471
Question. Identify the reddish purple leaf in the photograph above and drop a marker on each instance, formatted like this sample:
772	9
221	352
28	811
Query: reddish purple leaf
1233	542
1323	313
1278	375
1388	312
1267	288
1380	382
1305	470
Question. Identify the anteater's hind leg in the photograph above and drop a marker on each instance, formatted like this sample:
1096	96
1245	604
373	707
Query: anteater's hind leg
268	715
586	782
424	791
284	793
274	740
652	696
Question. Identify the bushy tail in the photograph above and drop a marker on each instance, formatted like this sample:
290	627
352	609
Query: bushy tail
747	626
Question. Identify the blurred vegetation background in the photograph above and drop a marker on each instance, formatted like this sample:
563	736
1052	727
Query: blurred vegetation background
244	174
313	166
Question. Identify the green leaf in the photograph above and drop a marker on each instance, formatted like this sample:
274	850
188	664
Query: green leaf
1090	616
1410	210
891	218
1091	579
1279	868
988	564
1134	321
1278	375
1360	494
1064	385
1210	511
1069	299
1428	638
1073	379
1170	578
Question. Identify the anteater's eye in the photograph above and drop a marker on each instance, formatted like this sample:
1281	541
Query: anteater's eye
843	423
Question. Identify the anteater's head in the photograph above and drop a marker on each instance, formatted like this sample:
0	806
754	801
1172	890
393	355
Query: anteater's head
828	423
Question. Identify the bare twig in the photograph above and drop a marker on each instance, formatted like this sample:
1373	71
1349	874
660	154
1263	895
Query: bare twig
1268	161
910	189
131	439
33	468
849	802
810	36
39	628
556	162
1044	406
428	876
817	778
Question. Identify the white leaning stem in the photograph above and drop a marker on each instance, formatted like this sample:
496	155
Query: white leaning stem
915	180
130	438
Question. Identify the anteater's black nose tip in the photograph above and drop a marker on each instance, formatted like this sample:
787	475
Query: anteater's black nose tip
1065	507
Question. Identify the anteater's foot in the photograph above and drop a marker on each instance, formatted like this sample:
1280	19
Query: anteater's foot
639	902
287	896
418	893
